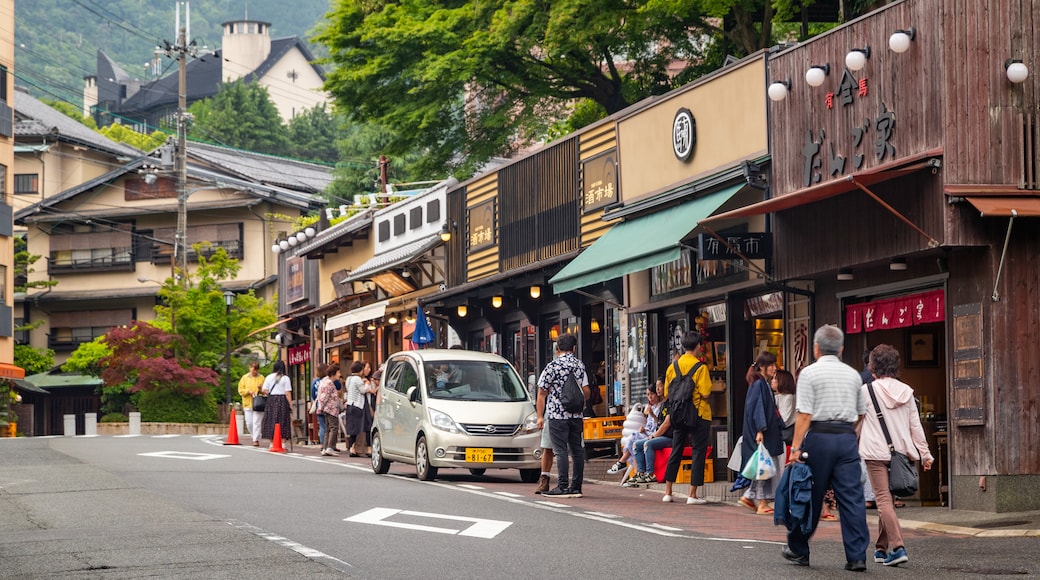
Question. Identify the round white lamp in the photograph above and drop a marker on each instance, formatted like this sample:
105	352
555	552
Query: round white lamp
900	40
1016	71
817	74
284	245
275	248
778	90
856	59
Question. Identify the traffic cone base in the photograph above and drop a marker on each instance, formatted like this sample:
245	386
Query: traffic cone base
232	437
276	441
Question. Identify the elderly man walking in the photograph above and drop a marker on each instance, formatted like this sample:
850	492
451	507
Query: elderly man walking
830	405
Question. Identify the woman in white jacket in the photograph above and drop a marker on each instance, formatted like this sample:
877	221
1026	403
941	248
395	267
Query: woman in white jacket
896	400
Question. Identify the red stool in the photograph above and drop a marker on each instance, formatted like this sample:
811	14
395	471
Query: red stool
661	459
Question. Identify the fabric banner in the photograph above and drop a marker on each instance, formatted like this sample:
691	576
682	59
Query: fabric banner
891	313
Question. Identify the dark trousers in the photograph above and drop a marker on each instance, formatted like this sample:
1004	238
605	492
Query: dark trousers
834	461
697	435
567	444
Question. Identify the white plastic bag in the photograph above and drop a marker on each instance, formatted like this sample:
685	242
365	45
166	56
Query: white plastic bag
766	465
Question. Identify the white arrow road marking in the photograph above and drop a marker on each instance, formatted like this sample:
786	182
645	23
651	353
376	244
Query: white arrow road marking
183	455
481	528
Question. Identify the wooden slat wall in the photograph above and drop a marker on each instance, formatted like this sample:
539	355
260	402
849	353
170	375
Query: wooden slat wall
598	140
455	249
484	262
559	200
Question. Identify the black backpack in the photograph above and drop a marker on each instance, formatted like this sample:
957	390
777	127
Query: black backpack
571	396
680	397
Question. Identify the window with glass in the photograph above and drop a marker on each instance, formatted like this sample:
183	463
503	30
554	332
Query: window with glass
26	183
84	247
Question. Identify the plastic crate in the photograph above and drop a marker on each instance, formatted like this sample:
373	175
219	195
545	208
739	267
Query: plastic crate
685	468
603	427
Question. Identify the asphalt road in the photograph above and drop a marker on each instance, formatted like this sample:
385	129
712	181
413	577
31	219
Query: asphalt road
165	507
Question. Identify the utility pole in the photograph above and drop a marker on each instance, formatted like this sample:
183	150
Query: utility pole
183	49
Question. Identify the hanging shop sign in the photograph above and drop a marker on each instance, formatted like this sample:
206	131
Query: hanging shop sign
294	283
299	354
482	225
899	312
599	181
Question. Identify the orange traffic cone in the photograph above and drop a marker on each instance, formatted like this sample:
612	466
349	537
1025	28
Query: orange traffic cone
232	436
276	441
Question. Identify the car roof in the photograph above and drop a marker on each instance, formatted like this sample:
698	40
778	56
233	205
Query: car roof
448	355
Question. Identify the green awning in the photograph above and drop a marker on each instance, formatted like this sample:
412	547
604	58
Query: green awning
640	243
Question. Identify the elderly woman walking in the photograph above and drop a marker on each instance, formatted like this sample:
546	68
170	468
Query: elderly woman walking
894	401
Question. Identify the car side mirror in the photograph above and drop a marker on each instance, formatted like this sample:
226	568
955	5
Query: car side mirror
413	394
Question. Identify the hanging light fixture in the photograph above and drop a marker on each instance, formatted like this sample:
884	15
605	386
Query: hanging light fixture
496	302
900	40
462	311
897	264
554	332
536	291
594	326
392	319
817	73
409	318
371	325
856	59
845	275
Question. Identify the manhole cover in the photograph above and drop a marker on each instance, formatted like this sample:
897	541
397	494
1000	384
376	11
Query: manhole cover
1002	524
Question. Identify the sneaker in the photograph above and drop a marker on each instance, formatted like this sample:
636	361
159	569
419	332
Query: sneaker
543	485
696	501
667	499
880	556
649	478
896	557
634	482
557	492
617	467
572	492
326	452
333	452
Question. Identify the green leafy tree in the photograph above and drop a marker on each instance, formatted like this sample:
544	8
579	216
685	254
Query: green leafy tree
33	360
243	116
144	142
87	360
23	267
70	110
313	134
196	312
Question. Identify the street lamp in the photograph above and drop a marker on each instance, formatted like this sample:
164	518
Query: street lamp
229	299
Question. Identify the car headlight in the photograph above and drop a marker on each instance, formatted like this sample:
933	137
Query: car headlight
443	422
531	423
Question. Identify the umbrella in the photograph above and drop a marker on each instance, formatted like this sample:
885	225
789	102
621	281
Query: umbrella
423	334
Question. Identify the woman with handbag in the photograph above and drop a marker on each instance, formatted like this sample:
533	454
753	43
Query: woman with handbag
279	402
890	432
329	406
762	426
356	388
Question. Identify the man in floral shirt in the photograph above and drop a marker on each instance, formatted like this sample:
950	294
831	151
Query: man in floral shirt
565	429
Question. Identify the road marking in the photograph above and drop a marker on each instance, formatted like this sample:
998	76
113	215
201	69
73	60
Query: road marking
603	515
507	494
167	436
663	527
124	436
300	549
553	504
468	486
183	455
480	528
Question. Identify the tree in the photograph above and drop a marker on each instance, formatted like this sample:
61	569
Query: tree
171	387
313	134
468	81
70	110
243	116
33	360
123	134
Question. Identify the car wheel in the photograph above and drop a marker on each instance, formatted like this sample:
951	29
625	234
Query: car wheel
423	470
530	475
478	471
380	464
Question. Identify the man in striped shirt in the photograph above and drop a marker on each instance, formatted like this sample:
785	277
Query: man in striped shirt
830	405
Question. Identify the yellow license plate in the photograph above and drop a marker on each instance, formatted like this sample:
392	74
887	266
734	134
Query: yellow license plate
480	455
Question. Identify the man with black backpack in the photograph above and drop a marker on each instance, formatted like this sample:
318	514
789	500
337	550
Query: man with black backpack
562	390
687	385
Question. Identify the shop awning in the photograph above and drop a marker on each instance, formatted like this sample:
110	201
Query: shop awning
270	326
10	371
362	314
396	257
1006	206
639	243
832	188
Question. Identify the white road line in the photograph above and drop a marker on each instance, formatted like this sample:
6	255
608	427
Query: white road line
507	494
167	436
553	504
669	528
468	486
309	553
124	436
603	515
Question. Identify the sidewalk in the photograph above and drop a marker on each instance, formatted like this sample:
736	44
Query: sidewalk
914	517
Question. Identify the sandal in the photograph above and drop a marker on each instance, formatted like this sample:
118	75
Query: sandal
765	512
871	505
747	503
829	518
898	504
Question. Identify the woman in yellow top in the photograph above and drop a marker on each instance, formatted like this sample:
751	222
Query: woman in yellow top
700	432
248	386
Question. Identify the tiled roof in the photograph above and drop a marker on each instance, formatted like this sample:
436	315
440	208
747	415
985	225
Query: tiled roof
267	169
35	119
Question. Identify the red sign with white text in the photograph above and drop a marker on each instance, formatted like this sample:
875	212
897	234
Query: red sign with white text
899	312
299	354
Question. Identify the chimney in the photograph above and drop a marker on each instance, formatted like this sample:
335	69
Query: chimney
245	45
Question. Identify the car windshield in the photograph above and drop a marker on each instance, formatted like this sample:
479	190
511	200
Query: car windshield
473	381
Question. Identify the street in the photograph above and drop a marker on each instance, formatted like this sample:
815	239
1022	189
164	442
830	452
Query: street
179	506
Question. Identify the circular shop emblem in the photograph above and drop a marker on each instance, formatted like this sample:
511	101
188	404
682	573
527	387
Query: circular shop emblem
684	134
